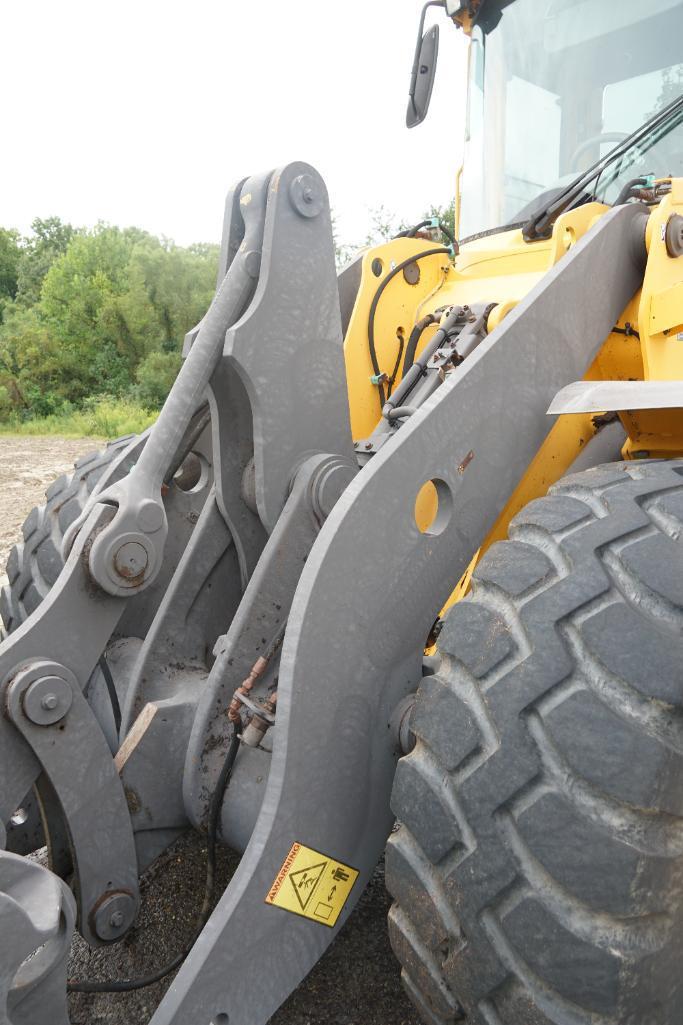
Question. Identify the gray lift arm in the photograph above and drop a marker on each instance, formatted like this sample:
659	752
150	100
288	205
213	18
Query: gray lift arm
357	583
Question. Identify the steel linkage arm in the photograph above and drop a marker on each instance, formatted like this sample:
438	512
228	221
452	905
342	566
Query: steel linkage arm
114	551
370	590
283	364
126	556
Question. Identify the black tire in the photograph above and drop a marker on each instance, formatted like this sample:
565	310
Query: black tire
537	870
35	563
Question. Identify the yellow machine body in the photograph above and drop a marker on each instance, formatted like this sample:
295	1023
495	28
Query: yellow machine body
501	269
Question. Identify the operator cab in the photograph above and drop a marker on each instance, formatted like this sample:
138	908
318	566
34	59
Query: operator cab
553	87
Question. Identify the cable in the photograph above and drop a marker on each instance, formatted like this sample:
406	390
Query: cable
629	331
448	233
127	985
111	690
373	307
431	222
540	225
414	341
390	382
626	191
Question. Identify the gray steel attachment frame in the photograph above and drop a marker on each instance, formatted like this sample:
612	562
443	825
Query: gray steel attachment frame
369	592
369	587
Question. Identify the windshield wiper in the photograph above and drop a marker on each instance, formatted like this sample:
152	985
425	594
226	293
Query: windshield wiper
541	224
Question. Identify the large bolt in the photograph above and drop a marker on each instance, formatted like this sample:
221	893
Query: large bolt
307	195
673	235
399	724
131	560
330	482
150	516
47	700
114	915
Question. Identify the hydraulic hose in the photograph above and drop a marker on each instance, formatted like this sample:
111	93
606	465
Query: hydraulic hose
414	340
415	372
428	222
439	251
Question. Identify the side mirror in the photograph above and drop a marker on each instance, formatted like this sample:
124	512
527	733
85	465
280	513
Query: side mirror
422	77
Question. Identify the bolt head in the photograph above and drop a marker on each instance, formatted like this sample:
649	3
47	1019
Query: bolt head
150	516
131	561
673	235
114	916
307	195
47	700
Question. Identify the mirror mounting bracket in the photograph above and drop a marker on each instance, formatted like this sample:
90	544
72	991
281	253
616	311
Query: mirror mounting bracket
424	68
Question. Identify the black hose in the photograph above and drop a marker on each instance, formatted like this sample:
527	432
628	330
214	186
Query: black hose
390	382
628	187
449	234
111	691
373	307
126	985
629	331
412	232
414	341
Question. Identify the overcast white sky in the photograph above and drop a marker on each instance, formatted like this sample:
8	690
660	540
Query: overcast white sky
143	112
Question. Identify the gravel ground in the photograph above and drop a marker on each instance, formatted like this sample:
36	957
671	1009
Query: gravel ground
27	466
355	983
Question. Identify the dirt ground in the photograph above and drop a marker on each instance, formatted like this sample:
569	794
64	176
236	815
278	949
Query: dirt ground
356	982
27	467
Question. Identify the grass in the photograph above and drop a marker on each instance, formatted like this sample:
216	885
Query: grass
108	418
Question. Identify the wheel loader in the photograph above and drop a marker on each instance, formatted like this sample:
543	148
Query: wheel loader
397	572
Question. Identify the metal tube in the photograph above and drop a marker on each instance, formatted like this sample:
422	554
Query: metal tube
228	304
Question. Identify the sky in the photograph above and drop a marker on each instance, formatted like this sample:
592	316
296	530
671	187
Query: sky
143	112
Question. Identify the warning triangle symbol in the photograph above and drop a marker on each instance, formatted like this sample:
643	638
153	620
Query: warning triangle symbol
305	882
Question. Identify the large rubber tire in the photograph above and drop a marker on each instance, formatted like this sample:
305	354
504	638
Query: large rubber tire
34	564
537	870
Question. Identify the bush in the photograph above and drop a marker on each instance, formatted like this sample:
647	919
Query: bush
155	376
104	417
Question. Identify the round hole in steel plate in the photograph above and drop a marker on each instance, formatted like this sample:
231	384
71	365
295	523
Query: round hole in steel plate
433	507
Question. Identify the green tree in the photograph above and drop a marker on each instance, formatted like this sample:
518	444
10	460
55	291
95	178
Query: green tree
77	292
50	238
446	215
383	226
10	255
104	314
155	376
34	371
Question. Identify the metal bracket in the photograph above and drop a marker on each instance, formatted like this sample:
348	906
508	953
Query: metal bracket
262	612
287	347
34	943
368	594
45	704
49	633
617	396
127	554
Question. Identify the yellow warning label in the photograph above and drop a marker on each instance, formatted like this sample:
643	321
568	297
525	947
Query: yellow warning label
312	885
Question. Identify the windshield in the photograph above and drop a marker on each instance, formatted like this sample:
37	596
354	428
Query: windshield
553	86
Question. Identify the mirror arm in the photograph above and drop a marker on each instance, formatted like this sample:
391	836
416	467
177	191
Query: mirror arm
418	46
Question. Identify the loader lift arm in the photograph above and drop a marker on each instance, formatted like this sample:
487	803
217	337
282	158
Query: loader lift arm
341	555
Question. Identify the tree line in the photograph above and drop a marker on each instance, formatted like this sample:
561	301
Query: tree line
88	313
93	314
